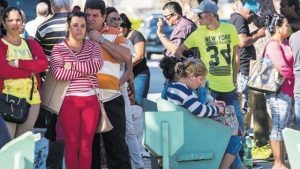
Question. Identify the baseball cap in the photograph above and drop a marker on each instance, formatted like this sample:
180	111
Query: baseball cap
251	5
207	6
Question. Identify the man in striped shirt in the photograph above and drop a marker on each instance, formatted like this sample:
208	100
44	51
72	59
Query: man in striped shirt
53	31
50	33
114	52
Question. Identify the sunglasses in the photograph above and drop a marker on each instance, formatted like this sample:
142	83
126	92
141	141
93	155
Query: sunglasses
200	15
167	17
114	19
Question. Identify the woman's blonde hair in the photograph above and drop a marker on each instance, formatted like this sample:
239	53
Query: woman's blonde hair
190	66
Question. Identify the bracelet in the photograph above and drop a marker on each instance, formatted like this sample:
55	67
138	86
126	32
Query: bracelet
101	39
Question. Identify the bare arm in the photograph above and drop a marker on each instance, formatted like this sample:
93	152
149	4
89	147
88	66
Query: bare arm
140	52
246	40
169	45
115	50
180	50
128	70
236	63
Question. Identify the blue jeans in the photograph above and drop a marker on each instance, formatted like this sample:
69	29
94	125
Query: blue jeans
233	148
243	89
230	98
130	136
297	109
141	87
280	107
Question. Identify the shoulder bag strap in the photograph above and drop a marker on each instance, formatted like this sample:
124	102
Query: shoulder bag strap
94	87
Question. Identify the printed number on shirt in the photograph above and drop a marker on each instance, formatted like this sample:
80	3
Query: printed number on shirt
214	51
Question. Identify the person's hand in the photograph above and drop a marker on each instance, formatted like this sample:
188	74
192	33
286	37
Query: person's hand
221	110
160	27
218	103
14	63
94	35
261	32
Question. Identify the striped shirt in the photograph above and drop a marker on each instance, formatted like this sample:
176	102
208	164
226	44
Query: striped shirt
182	95
89	61
52	32
109	75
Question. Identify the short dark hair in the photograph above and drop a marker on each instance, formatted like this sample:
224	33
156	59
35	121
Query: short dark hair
173	6
125	21
96	4
111	9
76	13
3	3
5	15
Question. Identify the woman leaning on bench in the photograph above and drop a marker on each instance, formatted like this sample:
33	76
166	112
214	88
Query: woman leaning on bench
184	76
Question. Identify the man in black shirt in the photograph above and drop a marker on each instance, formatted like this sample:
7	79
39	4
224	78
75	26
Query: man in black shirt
240	20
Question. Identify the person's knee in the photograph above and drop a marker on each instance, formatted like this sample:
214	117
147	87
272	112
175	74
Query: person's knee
234	145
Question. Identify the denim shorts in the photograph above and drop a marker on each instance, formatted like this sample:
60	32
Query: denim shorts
280	107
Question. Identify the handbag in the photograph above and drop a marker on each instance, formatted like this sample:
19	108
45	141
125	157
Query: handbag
53	93
15	109
104	124
229	119
263	76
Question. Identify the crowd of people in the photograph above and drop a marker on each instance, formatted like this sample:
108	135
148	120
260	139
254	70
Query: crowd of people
206	68
226	50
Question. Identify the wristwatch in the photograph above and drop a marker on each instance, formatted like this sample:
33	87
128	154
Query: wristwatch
101	39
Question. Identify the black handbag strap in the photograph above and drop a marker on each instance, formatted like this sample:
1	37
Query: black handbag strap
32	86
